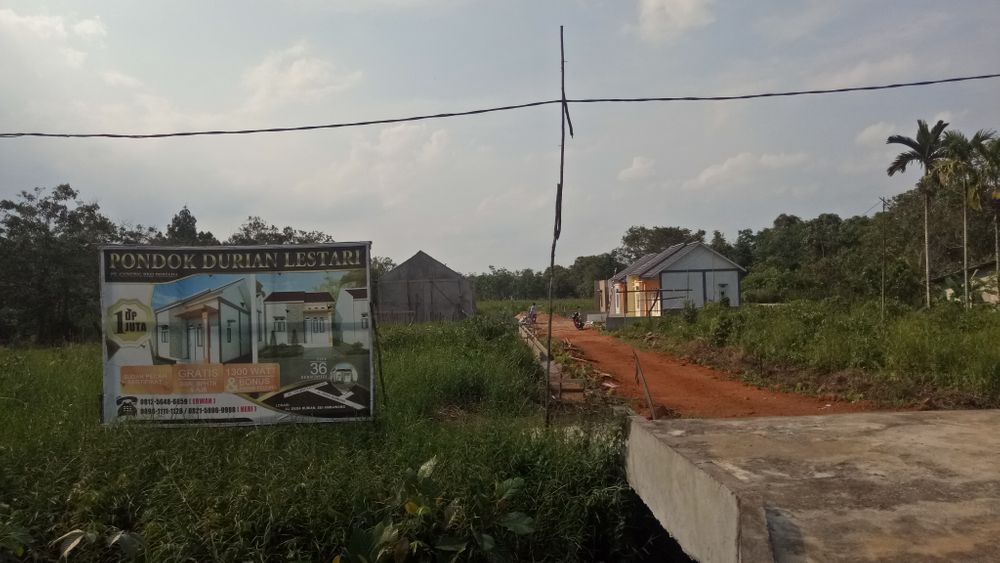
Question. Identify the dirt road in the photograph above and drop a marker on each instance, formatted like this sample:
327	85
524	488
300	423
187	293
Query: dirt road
687	389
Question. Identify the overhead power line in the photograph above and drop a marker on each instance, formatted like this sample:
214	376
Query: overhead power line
499	109
789	93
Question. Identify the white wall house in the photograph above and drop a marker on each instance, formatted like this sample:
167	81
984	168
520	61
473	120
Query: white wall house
212	326
352	316
299	318
683	273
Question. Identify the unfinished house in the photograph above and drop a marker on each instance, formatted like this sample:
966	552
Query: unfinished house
211	326
299	318
423	290
691	273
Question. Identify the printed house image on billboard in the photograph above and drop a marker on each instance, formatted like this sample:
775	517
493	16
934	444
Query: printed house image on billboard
299	317
237	335
306	330
211	326
352	317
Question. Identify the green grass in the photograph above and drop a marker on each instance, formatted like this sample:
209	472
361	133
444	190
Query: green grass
564	307
462	392
946	356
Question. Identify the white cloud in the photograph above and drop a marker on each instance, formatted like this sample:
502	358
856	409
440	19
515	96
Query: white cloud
74	57
875	134
45	37
867	72
659	20
382	166
740	168
641	169
954	119
115	78
91	28
45	27
373	5
294	76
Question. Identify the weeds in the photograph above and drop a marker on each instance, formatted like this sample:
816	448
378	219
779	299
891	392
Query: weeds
946	355
297	493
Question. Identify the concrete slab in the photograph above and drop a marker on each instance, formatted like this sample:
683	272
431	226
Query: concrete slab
915	486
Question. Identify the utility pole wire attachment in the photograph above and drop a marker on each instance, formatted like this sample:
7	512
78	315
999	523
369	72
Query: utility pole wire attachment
557	225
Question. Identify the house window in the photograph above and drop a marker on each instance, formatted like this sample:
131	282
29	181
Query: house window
229	330
260	327
318	325
201	339
724	293
279	324
164	333
364	320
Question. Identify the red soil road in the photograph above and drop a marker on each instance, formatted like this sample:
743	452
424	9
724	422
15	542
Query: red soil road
689	390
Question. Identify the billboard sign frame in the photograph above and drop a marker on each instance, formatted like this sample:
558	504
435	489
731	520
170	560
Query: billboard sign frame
237	335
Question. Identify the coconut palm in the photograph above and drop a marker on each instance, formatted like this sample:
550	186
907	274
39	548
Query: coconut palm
925	149
962	168
990	194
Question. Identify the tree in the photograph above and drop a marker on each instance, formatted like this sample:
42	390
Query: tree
925	150
720	245
639	241
256	231
380	266
183	230
50	241
138	234
588	269
743	250
960	167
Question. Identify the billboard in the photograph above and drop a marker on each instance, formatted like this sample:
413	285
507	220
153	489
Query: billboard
234	335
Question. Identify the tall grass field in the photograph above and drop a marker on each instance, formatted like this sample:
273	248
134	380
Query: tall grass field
457	466
946	356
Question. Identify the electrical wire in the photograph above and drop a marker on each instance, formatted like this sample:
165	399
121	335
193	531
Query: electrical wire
499	109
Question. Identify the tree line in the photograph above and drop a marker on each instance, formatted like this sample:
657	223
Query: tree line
49	245
939	230
49	241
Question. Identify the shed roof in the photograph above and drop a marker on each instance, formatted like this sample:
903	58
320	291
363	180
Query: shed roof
672	255
420	266
633	268
650	265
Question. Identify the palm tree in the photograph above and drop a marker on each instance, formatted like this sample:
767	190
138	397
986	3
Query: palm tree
961	164
990	193
926	149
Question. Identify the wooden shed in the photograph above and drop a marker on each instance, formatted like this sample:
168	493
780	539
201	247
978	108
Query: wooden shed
422	290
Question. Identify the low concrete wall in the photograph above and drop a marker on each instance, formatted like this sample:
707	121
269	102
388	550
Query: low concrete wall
701	513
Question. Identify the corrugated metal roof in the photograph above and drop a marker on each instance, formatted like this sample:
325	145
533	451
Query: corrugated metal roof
650	265
633	268
671	255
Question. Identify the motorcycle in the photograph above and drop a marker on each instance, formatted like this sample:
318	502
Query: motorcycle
578	321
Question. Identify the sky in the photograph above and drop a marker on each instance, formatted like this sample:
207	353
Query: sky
479	191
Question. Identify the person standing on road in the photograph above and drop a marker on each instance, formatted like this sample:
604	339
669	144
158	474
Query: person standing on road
532	313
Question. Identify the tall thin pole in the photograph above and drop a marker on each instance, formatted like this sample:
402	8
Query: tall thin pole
966	304
882	310
557	227
927	248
